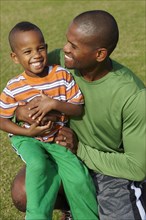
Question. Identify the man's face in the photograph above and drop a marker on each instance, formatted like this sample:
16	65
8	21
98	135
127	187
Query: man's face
79	53
31	52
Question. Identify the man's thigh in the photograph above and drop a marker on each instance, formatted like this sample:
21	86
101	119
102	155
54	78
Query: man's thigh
144	192
119	199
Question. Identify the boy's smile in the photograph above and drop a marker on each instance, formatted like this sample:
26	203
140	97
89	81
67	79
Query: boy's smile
31	52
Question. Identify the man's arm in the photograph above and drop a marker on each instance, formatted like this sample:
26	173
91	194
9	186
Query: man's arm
132	163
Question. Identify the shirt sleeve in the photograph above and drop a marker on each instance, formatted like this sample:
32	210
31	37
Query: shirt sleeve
73	92
132	163
8	104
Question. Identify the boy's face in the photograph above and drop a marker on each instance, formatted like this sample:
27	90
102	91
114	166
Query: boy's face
31	52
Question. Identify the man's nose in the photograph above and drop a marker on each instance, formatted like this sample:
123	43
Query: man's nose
66	48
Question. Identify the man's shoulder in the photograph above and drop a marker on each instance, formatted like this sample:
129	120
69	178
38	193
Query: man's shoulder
125	75
119	67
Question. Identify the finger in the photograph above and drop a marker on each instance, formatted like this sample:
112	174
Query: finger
60	138
65	131
33	107
49	128
35	114
34	125
40	117
42	93
21	103
45	128
64	138
62	143
35	101
67	145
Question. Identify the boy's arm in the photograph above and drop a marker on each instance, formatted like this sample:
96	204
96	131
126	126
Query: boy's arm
68	108
47	104
10	127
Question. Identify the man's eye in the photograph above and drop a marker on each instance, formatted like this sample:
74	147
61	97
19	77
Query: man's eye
73	46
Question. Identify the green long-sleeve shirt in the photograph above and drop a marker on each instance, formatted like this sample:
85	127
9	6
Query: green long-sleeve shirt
112	138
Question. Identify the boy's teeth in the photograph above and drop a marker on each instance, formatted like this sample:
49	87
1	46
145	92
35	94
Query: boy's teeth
36	64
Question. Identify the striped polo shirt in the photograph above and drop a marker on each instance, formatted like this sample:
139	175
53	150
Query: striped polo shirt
58	84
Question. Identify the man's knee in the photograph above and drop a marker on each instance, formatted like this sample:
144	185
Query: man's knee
18	193
18	190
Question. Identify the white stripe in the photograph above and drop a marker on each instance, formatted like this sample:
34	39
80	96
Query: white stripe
138	202
8	106
21	89
62	68
17	79
18	153
8	92
51	85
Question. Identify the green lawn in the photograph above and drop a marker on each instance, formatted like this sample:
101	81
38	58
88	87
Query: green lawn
53	18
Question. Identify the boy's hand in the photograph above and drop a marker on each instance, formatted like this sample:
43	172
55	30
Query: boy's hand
36	130
41	108
23	112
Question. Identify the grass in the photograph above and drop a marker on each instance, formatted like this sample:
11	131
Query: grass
53	18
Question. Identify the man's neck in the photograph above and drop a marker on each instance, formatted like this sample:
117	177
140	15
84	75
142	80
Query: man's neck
98	72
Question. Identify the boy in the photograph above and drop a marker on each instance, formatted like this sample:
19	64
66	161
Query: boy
45	159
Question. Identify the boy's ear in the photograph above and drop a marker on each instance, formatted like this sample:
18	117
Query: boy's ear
14	57
101	54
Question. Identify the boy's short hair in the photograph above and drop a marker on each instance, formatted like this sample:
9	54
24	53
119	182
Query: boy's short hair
22	27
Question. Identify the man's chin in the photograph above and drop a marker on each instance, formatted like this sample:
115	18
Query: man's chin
68	63
69	66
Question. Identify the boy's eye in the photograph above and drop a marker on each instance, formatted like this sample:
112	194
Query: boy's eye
27	52
42	48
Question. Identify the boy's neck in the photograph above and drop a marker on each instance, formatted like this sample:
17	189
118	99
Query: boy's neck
39	75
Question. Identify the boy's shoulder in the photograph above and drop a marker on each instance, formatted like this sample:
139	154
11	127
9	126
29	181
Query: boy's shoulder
16	79
58	68
59	73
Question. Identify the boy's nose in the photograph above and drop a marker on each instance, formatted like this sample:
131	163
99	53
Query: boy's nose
37	54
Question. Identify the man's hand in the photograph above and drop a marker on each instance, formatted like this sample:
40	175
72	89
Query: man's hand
67	138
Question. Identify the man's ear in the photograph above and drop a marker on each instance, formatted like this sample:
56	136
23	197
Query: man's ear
101	54
14	57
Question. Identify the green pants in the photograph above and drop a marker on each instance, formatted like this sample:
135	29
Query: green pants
47	164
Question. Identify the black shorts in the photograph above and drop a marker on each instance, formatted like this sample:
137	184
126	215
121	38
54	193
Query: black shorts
119	199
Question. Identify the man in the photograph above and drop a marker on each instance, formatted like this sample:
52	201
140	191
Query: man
112	131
